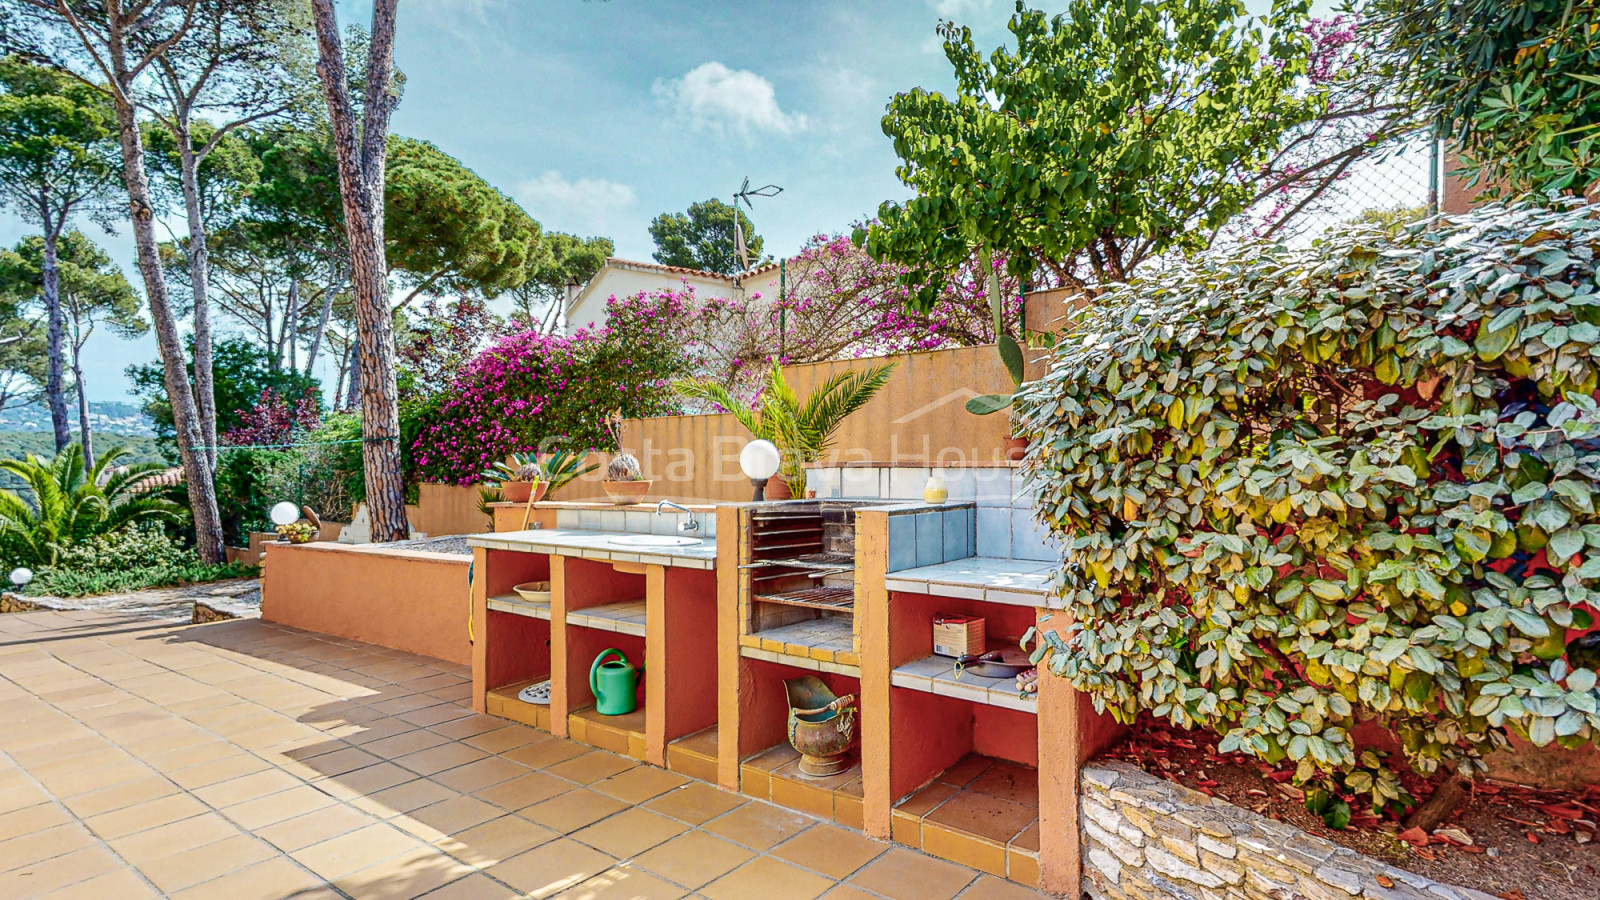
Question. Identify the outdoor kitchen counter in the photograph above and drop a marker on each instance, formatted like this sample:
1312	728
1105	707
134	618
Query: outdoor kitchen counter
1017	582
598	545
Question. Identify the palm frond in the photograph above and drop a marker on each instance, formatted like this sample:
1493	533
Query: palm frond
834	401
710	392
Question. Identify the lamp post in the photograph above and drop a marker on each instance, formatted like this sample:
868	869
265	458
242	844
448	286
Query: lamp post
759	460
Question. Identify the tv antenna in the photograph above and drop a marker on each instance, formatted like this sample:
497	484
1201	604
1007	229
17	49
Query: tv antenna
743	195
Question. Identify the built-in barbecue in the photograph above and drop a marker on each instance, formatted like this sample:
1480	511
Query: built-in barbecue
798	590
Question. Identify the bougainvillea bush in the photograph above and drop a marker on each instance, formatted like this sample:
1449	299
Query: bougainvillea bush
527	391
1305	490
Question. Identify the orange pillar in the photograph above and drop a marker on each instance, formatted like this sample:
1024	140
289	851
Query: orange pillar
872	630
731	547
655	665
477	632
559	697
1070	733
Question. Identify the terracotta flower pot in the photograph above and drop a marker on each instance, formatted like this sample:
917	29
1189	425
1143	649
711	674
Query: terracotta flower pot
622	492
1016	448
522	491
777	489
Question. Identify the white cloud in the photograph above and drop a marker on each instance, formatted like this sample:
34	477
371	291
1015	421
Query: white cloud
584	205
951	9
717	98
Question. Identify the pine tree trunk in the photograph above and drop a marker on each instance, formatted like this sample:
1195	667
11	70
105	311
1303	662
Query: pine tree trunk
205	394
322	331
55	390
185	416
84	433
361	174
291	329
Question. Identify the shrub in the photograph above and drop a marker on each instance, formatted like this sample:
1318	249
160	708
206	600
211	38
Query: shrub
64	503
1301	490
128	560
528	389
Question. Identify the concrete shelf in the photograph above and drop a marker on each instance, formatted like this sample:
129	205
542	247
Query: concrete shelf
936	675
627	617
824	645
516	606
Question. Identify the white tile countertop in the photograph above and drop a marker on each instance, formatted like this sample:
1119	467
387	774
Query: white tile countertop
598	545
1017	582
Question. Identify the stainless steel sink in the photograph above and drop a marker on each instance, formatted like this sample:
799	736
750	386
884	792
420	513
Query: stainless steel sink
653	540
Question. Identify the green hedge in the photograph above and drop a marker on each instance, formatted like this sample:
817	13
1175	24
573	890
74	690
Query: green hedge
1300	490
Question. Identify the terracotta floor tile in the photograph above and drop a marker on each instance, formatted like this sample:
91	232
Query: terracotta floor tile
193	866
759	825
456	814
123	884
435	715
253	815
768	879
196	831
846	892
639	784
573	810
473	887
440	758
694	859
475	776
496	840
630	832
500	739
966	771
548	870
247	787
372	779
217	771
314	827
413	795
835	852
544	754
524	790
902	874
272	879
401	744
983	815
696	802
402	877
30	819
144	816
926	800
625	883
356	850
338	762
1009	781
58	872
111	799
988	887
592	766
36	847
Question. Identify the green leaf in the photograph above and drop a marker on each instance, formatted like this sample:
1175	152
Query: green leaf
1491	344
1337	815
1011	355
988	404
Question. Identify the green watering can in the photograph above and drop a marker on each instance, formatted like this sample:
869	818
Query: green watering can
613	683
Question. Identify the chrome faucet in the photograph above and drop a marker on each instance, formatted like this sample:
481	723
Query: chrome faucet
688	524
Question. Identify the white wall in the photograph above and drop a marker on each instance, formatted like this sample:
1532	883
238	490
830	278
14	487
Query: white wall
617	281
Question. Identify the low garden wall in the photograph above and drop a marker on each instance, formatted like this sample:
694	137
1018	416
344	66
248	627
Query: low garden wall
410	600
1146	838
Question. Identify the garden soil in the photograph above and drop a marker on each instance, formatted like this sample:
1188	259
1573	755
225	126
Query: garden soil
1510	841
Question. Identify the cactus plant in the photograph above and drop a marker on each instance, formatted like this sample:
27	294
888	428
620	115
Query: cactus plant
625	467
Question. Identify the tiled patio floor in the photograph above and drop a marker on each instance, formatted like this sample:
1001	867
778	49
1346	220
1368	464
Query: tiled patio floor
244	760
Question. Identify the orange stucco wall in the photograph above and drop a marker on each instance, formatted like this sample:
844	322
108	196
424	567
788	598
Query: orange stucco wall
406	599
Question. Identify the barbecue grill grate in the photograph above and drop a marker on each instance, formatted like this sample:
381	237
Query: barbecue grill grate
832	599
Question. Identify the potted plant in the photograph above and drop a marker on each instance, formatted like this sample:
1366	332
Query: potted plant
521	479
625	481
802	431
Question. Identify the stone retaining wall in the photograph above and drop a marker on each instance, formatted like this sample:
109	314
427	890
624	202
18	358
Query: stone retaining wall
1145	838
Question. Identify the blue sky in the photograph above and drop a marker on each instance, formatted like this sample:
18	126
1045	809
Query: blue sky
598	116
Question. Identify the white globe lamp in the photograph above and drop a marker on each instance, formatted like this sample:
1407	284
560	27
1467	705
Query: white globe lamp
21	575
759	460
284	513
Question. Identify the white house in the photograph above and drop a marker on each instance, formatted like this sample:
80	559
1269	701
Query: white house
626	277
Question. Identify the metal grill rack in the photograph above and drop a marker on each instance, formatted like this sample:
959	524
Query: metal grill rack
829	599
